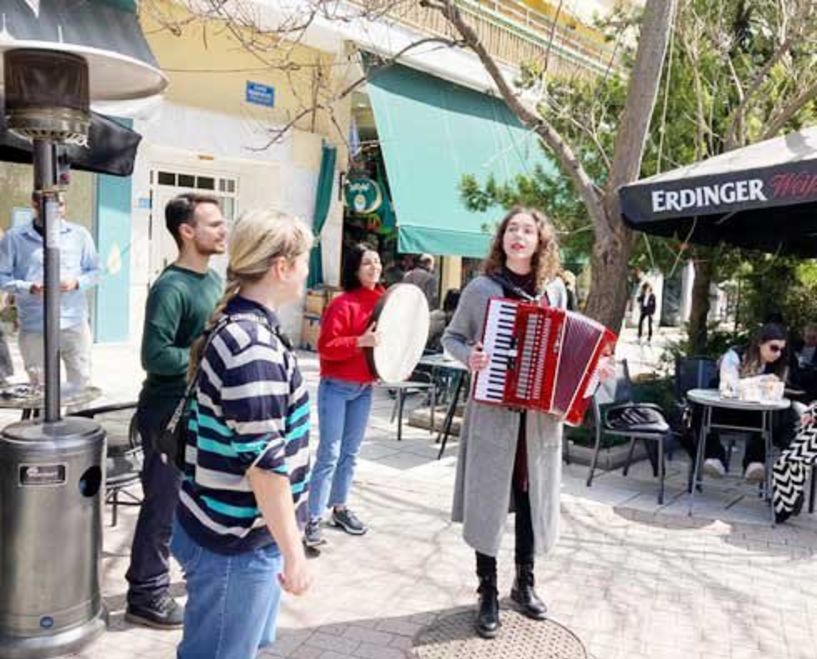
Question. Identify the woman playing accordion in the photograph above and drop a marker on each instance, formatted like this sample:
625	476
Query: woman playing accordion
508	459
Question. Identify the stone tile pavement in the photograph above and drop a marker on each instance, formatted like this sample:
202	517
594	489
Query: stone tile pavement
633	580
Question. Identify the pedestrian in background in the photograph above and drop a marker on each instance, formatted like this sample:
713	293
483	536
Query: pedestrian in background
646	307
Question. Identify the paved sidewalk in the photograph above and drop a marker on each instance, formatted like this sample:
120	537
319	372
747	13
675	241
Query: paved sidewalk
633	580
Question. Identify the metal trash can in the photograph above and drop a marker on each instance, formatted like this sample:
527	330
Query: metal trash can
52	484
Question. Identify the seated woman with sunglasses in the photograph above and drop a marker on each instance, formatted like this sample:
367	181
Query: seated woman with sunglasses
766	354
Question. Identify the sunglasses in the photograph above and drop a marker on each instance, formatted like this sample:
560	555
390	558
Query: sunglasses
776	348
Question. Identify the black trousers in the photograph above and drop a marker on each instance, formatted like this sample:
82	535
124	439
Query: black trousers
486	565
648	316
149	572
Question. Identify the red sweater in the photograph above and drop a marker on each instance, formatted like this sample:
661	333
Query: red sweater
344	320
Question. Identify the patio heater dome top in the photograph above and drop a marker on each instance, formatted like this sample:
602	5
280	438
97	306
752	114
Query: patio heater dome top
47	95
112	76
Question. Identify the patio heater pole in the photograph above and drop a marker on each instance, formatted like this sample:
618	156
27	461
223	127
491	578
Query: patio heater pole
45	183
52	470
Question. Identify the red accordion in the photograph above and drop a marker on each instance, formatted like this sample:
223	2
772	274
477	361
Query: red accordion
541	358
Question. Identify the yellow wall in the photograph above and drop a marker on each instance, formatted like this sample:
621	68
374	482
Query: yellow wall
565	19
209	66
450	273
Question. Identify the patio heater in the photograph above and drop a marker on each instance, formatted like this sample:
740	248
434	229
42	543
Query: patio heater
52	478
47	101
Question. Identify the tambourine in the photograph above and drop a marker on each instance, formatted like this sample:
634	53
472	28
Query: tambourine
402	318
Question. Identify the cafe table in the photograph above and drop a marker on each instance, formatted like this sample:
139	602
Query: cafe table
710	400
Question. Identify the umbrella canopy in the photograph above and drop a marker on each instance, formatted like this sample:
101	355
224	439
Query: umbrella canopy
111	147
762	197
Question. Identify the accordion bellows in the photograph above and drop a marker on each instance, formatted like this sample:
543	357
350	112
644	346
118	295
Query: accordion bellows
541	358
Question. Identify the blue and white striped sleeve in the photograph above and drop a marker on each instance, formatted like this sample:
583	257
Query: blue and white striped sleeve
254	400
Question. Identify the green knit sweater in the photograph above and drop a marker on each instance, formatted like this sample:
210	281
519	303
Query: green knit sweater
178	306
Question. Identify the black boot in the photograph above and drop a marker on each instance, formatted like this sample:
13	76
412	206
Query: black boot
524	595
487	622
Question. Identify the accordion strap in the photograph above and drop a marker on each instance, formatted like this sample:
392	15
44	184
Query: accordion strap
519	292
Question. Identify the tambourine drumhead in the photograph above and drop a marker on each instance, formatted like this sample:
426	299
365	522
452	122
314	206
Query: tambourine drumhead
402	318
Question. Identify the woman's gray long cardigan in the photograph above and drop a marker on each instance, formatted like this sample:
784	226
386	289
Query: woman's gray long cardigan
487	447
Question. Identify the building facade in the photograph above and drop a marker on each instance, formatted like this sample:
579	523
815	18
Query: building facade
427	122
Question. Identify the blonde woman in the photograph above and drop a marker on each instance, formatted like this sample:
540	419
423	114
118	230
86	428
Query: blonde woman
242	505
508	459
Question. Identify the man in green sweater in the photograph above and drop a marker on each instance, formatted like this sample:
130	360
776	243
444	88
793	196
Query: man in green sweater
178	306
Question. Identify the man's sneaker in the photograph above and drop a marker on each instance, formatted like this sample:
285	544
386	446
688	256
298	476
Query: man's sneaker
755	472
714	468
313	536
163	613
348	521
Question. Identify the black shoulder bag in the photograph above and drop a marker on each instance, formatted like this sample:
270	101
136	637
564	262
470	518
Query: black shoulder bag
171	442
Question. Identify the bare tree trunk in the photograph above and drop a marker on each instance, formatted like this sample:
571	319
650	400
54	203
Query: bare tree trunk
609	290
614	241
697	332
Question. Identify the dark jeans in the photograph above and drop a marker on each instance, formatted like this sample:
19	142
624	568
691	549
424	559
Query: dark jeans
642	317
148	576
486	565
782	432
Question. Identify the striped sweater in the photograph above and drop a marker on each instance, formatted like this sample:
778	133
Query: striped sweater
250	408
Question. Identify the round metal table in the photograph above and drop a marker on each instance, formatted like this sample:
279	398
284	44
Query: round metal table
710	399
32	403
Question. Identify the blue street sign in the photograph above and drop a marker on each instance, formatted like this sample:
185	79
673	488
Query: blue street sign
260	94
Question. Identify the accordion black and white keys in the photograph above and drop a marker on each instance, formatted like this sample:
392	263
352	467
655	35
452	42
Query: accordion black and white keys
541	358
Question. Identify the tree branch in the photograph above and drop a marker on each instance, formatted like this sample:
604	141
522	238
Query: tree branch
780	119
569	161
645	79
278	133
735	118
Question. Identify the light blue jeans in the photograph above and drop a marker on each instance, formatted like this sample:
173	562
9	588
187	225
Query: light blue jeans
232	600
343	412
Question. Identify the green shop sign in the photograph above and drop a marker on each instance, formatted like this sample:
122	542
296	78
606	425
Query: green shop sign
363	195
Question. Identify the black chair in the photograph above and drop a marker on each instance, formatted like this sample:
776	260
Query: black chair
693	373
123	460
690	373
420	383
616	414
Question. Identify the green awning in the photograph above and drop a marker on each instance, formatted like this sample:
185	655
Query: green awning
433	132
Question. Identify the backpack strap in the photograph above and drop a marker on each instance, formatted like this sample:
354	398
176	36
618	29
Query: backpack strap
211	334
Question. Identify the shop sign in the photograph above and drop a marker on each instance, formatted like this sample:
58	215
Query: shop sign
363	195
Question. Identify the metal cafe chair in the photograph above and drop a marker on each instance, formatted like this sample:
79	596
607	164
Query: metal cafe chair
615	413
124	457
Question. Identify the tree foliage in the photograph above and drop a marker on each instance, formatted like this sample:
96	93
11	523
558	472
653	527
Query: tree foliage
738	71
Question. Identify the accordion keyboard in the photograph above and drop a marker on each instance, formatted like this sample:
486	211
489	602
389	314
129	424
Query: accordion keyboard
540	358
500	345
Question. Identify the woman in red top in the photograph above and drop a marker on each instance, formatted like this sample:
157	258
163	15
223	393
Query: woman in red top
344	392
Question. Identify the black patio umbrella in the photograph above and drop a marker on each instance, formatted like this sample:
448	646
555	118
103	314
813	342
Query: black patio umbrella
761	197
111	147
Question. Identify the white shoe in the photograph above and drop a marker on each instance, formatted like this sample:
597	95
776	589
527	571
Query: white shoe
755	472
714	468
